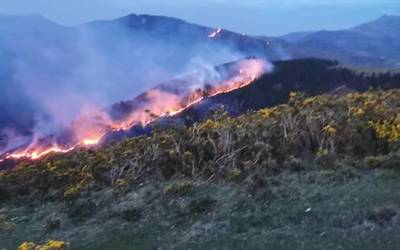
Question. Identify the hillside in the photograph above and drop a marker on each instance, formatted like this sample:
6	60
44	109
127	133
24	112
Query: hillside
97	63
150	132
385	26
27	25
181	33
100	63
265	178
309	76
373	44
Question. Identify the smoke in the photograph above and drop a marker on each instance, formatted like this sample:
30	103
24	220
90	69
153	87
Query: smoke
172	97
11	140
60	78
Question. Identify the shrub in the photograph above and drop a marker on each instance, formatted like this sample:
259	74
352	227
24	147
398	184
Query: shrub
316	130
181	188
50	245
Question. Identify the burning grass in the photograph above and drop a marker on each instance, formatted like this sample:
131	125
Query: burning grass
307	133
163	101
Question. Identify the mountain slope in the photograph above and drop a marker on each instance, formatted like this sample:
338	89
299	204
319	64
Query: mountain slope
296	36
387	26
373	44
26	24
177	31
315	172
100	63
309	76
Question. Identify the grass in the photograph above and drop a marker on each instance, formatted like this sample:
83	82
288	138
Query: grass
310	210
317	172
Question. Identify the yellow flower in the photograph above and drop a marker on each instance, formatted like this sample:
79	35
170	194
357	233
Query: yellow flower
209	124
120	183
27	246
54	245
50	245
309	101
330	130
387	129
359	112
266	113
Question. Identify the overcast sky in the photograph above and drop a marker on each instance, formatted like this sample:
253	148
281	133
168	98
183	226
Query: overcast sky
256	17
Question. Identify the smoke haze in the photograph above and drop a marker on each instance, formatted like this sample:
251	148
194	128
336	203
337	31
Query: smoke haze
51	75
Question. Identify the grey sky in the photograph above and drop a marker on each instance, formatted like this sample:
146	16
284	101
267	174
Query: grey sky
261	17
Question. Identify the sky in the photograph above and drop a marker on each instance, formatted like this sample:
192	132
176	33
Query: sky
253	17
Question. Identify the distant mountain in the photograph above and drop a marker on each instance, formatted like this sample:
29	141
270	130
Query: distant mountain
26	24
387	26
374	44
117	59
295	36
181	33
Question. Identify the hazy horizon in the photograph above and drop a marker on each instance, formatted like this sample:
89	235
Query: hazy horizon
253	17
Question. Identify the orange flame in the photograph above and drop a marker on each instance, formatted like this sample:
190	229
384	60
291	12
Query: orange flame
93	125
38	153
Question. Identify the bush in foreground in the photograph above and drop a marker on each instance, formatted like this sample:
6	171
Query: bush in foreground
359	129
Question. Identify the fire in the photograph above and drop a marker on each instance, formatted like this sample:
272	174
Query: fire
94	125
89	142
215	33
38	153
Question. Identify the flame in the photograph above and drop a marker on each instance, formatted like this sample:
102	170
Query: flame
215	33
94	125
89	142
38	153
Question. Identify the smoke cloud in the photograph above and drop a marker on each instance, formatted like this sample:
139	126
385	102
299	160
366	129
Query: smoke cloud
54	78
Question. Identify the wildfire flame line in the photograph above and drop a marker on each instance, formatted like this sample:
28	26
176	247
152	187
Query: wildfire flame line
244	78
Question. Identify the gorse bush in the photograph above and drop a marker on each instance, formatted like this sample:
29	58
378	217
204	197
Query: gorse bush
322	131
50	245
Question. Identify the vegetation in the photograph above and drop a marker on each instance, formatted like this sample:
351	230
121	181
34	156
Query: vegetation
50	245
318	132
305	173
309	76
6	225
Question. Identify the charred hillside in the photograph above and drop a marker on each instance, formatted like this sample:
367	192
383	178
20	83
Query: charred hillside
309	76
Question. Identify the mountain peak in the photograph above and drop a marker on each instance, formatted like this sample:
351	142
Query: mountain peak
28	18
143	19
17	24
388	17
384	26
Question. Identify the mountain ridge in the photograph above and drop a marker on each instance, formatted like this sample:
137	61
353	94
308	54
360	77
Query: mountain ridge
373	44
